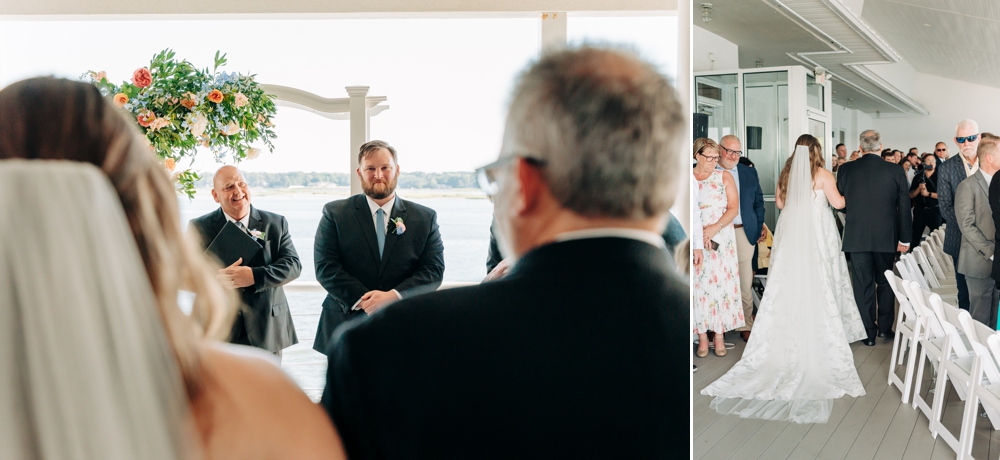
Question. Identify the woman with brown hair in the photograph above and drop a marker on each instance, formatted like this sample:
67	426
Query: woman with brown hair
798	359
235	404
716	302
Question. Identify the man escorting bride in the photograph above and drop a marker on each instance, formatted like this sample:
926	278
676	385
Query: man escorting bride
785	374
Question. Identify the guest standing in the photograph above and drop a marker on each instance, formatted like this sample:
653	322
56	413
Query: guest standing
717	304
923	194
972	209
263	320
953	172
374	248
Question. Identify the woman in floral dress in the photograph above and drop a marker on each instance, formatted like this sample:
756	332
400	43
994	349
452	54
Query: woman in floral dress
717	305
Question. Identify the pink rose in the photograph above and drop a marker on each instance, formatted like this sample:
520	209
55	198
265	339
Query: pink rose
240	100
142	78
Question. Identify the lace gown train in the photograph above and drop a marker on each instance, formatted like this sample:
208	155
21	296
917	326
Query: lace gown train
798	358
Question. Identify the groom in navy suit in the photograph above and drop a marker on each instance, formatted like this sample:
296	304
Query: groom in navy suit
375	248
749	222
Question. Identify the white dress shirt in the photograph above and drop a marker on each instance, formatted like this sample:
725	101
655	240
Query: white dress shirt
245	220
633	234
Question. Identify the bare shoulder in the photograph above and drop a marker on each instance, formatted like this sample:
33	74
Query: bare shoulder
247	400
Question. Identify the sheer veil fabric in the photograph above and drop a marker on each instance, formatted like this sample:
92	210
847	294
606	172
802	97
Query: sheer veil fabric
798	358
86	371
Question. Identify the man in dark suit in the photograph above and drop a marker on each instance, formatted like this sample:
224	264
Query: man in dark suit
972	209
582	350
878	225
940	154
749	222
263	320
374	248
953	172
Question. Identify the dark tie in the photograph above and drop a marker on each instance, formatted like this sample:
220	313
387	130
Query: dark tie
380	230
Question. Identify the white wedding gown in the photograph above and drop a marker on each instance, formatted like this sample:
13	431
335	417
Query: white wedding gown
798	359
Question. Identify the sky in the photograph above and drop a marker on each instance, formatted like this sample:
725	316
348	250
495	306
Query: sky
447	80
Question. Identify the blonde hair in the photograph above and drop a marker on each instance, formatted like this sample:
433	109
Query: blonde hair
701	144
58	119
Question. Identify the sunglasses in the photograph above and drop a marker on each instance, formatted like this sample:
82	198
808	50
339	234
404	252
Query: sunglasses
941	150
962	140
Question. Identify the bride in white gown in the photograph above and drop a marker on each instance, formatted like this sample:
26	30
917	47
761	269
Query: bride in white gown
798	360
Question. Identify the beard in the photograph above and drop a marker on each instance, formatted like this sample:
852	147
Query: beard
380	190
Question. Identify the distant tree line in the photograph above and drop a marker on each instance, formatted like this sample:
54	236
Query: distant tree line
313	179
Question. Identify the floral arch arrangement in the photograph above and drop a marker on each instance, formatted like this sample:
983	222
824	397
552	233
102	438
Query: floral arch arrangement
180	108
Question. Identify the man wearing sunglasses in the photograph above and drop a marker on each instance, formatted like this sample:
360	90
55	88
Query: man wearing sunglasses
953	172
940	154
582	349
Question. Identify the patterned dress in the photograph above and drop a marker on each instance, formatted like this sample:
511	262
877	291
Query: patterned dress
717	305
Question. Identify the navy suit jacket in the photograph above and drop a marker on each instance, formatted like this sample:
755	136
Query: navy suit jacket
264	313
951	174
348	264
751	202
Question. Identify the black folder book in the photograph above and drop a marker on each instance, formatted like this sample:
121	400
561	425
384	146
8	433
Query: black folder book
232	243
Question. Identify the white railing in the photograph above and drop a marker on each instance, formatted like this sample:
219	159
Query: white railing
313	286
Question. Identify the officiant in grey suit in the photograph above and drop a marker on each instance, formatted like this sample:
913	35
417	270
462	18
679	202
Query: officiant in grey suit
975	218
374	248
263	319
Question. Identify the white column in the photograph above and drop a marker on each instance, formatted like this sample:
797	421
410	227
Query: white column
686	93
359	130
553	31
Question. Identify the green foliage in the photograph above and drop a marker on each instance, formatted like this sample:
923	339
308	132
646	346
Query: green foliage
181	107
411	180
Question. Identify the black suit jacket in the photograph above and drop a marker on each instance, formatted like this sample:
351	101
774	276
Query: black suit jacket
264	313
348	264
878	205
581	351
995	207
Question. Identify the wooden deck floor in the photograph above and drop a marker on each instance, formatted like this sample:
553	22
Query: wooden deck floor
873	426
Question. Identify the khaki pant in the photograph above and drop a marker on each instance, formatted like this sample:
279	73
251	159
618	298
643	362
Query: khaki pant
744	252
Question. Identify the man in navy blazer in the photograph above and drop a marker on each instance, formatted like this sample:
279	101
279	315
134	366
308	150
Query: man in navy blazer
750	220
374	248
955	170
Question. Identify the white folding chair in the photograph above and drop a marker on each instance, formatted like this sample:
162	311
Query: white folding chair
948	294
989	393
932	343
908	335
957	364
939	268
935	277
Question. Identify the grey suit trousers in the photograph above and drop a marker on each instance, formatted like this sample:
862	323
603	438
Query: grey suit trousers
983	300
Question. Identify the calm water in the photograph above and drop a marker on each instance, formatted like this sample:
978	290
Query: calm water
465	228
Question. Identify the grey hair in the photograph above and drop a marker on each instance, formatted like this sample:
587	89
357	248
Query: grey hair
967	123
370	147
609	127
728	137
871	141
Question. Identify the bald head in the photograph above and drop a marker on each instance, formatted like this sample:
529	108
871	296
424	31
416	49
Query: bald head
230	190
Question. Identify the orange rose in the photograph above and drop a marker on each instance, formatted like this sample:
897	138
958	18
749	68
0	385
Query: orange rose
141	77
215	96
120	100
170	164
145	118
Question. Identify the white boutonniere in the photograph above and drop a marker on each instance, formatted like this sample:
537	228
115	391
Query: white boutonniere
397	225
258	234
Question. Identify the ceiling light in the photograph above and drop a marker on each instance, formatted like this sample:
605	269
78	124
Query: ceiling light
706	12
926	24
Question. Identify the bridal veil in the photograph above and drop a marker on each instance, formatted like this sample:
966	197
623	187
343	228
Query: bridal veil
798	358
86	371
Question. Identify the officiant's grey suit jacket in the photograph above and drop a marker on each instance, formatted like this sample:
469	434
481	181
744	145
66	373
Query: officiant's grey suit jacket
348	264
264	313
975	219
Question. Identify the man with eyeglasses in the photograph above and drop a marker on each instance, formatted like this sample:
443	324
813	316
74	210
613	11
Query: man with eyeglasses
582	349
749	222
952	173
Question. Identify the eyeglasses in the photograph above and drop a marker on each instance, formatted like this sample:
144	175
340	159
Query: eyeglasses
972	138
487	177
708	158
738	153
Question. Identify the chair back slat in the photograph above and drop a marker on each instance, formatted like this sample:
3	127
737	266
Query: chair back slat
919	298
930	270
